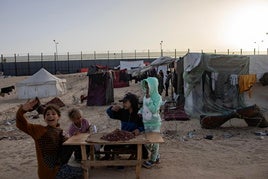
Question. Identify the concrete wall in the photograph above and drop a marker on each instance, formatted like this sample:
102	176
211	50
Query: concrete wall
258	64
64	67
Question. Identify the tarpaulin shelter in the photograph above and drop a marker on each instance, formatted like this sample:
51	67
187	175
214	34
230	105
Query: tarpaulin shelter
211	87
100	88
209	82
41	84
160	62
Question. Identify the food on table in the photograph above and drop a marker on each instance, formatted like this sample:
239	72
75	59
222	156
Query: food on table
118	135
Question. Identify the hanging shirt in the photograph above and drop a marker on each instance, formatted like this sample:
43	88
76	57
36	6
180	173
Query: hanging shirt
214	77
233	79
246	82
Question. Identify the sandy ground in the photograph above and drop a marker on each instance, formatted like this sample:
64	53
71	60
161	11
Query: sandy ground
235	151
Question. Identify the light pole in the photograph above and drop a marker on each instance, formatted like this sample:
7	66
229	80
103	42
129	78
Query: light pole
161	48
267	48
56	45
56	55
258	44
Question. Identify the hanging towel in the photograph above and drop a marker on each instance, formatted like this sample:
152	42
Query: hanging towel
246	82
234	79
214	77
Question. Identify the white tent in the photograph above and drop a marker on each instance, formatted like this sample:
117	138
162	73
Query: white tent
41	84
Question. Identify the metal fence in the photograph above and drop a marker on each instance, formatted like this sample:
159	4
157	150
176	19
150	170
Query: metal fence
27	64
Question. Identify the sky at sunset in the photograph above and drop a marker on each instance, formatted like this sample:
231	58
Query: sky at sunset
30	26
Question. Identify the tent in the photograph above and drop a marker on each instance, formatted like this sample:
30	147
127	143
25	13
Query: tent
160	63
100	88
131	64
209	84
42	84
120	78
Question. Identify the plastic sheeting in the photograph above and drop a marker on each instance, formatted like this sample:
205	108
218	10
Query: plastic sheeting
131	64
208	86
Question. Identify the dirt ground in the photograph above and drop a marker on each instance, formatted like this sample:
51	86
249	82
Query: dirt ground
235	151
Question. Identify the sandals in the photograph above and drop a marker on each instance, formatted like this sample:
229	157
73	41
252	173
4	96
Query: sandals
148	164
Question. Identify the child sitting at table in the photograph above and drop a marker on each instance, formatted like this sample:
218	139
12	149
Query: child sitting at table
52	156
79	125
130	121
150	116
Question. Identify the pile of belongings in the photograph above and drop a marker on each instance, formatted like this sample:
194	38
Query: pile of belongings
251	114
118	135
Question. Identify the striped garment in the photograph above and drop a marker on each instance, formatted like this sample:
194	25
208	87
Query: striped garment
73	129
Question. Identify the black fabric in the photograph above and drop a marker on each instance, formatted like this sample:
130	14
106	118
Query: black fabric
264	79
69	172
123	76
129	122
78	153
7	89
175	83
97	79
109	148
65	154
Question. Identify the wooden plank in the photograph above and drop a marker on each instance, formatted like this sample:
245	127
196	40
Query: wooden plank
100	163
139	160
92	151
81	138
84	158
96	139
154	137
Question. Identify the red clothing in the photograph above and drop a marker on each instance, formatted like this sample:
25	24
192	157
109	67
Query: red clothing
48	141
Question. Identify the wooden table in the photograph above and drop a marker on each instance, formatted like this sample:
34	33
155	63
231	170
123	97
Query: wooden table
94	139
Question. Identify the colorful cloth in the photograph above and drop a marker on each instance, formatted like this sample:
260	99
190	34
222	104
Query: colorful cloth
246	82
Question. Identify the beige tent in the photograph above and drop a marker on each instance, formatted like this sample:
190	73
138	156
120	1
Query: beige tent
41	84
